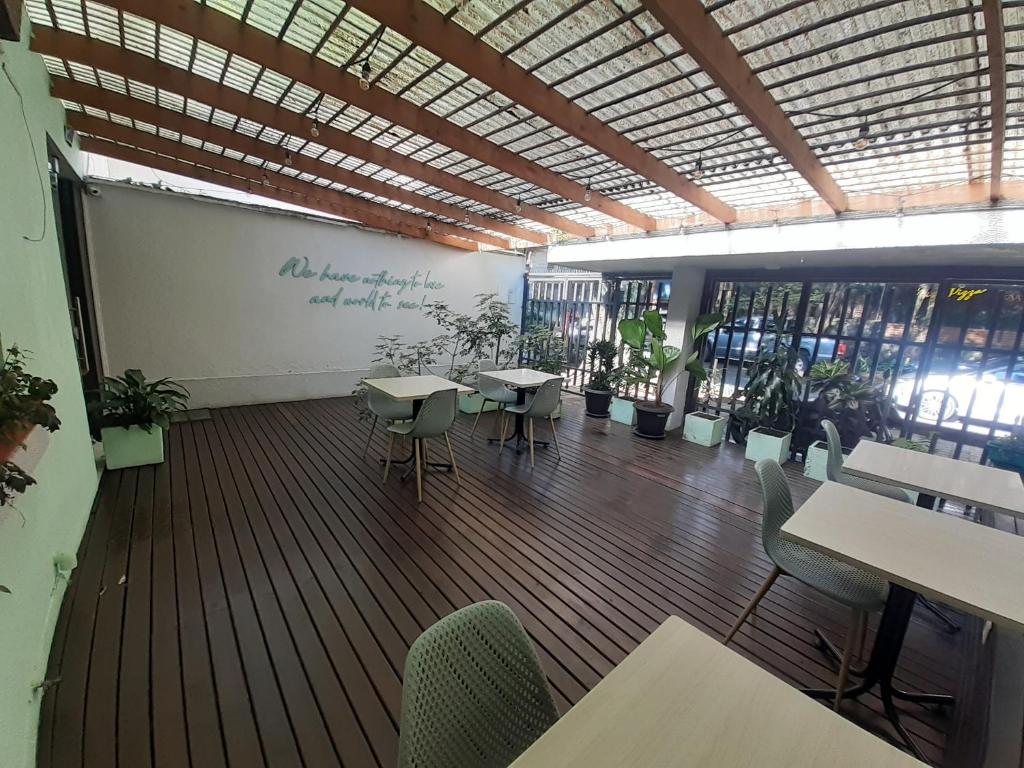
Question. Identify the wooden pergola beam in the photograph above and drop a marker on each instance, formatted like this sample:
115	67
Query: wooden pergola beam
995	41
689	22
134	66
205	23
423	25
186	160
136	109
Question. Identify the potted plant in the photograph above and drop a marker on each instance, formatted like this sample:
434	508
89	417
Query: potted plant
701	427
134	414
765	421
650	358
543	349
1007	452
24	405
598	390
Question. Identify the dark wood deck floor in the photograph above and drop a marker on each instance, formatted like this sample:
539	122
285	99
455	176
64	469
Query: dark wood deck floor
250	602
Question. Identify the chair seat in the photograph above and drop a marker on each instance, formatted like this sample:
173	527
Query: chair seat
392	410
401	428
518	409
842	582
505	396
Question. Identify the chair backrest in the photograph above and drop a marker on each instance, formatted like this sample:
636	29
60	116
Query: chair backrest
778	504
834	466
491	388
486	364
437	414
383	372
474	693
546	399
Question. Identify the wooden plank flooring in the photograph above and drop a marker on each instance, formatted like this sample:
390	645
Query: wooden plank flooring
250	602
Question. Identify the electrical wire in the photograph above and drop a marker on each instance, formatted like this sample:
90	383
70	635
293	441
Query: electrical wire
35	157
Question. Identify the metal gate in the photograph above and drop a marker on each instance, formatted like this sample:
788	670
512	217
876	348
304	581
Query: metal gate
946	351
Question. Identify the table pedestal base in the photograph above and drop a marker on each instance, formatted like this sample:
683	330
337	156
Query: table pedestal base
882	665
518	434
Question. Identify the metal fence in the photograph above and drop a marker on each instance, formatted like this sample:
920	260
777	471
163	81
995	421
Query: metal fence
583	307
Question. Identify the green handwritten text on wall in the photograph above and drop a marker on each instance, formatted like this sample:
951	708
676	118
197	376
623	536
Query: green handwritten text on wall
382	288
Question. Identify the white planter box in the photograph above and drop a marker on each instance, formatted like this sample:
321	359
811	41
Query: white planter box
762	444
816	461
472	403
622	411
132	447
704	429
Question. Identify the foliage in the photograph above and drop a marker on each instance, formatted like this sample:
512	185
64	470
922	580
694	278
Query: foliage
601	356
543	348
472	336
771	395
856	407
702	326
23	403
13	480
23	397
647	359
130	400
1014	441
910	444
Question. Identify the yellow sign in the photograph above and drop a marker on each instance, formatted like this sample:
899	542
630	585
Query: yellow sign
965	294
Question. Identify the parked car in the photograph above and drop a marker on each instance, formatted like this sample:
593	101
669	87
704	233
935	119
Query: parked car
989	396
746	348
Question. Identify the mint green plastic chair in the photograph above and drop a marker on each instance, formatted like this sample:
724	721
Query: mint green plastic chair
474	694
435	418
495	392
861	592
834	469
541	406
382	406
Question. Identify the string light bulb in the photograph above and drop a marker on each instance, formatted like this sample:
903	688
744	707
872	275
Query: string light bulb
519	205
315	130
364	76
698	169
287	158
861	142
588	193
266	179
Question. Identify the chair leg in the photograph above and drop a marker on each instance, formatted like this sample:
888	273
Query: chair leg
862	632
419	473
499	418
554	437
504	418
369	437
451	457
776	572
530	430
387	464
844	668
477	419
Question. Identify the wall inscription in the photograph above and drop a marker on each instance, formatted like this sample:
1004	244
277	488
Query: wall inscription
374	292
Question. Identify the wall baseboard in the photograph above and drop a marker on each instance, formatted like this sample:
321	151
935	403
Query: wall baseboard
276	388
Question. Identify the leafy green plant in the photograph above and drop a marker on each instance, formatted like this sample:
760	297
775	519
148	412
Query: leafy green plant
771	394
543	349
13	481
130	400
913	445
471	336
648	359
856	407
23	397
601	357
699	331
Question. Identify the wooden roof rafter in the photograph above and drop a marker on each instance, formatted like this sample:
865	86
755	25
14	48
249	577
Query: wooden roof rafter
132	145
431	30
995	37
143	69
220	29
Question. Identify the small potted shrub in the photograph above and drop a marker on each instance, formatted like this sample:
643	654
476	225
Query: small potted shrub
765	421
1007	452
598	391
649	360
24	406
134	414
701	427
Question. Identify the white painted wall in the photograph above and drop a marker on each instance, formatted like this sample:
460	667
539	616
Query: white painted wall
193	289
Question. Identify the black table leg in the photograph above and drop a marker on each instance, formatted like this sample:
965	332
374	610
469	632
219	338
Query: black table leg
882	665
927	501
518	432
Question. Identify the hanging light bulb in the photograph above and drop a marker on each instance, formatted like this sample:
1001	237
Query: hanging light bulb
315	130
519	205
364	76
430	226
466	217
287	158
698	169
861	142
588	193
266	179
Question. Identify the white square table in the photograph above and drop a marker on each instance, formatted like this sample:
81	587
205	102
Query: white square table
521	380
415	389
684	700
943	557
997	490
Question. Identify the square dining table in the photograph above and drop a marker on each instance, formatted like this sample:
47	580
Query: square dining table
919	552
521	380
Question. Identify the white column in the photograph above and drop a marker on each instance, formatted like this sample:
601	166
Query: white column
683	309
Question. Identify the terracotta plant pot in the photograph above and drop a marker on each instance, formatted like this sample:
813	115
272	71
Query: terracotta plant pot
11	440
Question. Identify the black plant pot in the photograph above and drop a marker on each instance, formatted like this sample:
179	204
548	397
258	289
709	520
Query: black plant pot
651	420
599	401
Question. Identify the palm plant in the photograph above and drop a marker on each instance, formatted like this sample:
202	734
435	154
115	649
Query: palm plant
601	356
130	400
650	357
